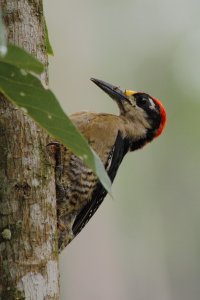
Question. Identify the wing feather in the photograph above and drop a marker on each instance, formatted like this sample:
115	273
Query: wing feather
114	160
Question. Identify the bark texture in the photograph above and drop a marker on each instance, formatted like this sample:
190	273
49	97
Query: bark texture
28	241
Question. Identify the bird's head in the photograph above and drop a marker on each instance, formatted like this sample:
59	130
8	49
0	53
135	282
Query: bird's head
137	107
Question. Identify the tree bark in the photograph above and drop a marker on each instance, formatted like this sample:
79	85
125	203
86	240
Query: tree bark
28	240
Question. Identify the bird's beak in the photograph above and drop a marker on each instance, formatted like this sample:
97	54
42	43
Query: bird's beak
113	91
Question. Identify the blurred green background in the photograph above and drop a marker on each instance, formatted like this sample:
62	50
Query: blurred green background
144	244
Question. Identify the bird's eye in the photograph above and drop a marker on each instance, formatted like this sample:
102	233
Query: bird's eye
143	100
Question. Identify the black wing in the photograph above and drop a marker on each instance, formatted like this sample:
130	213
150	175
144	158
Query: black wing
115	158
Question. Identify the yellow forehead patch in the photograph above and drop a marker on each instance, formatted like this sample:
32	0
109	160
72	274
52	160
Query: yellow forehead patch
129	92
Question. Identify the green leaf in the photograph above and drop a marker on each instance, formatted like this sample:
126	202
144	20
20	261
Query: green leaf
47	41
22	59
27	92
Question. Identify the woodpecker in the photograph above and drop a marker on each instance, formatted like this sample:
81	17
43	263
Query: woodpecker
79	193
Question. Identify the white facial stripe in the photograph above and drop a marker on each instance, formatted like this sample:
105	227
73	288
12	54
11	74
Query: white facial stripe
152	106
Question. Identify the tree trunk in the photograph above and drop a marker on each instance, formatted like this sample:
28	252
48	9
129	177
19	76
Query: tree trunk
28	240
